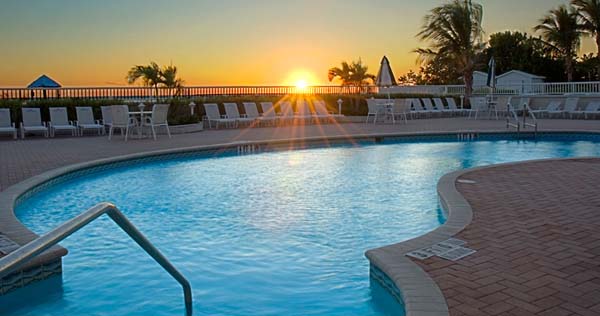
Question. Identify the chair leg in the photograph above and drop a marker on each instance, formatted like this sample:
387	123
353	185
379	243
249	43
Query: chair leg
126	132
168	131
153	132
110	132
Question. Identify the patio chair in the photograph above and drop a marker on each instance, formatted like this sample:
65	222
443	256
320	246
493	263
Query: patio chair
232	112
439	105
106	116
213	115
268	113
374	109
59	121
32	122
417	108
570	107
6	124
85	120
252	112
399	109
477	105
429	106
322	112
303	112
592	108
121	120
158	118
453	108
553	107
286	113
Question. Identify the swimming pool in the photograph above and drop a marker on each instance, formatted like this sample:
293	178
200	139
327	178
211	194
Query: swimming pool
277	233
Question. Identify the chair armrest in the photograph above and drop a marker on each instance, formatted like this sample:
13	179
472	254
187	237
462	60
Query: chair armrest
224	116
244	115
72	123
98	122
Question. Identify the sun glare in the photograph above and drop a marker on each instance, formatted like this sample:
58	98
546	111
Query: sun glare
301	79
301	84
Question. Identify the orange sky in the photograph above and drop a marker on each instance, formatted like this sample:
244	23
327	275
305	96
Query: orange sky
228	42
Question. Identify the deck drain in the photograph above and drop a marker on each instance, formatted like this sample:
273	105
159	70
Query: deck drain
466	181
452	249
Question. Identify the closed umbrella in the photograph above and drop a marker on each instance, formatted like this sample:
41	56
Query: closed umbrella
385	76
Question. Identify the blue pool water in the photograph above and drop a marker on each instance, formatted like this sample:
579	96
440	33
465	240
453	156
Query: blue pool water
279	233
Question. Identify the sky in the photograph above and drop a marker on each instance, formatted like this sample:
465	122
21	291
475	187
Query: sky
223	42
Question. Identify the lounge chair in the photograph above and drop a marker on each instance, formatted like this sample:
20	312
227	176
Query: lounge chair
213	115
323	113
252	112
417	107
232	112
121	120
106	116
592	108
439	105
452	106
429	106
59	121
286	113
6	124
553	107
158	118
303	112
399	109
268	113
570	107
32	122
85	120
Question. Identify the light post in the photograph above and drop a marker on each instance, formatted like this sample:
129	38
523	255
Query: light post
339	102
192	105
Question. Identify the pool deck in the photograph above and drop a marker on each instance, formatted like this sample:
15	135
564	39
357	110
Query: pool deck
527	261
535	227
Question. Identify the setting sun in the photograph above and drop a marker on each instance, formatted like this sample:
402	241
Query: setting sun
301	84
301	79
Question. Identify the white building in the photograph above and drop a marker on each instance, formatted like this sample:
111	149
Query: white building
518	80
479	78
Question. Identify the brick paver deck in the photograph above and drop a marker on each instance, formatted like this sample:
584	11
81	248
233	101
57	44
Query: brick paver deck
536	229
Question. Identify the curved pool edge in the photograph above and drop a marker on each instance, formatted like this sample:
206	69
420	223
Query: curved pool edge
412	287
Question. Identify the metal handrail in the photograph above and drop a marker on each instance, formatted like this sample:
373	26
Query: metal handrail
527	112
512	119
17	258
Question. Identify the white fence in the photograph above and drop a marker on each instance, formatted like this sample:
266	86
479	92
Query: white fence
551	88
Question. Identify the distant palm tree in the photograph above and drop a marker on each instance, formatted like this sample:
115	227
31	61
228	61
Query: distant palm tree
352	74
169	79
149	74
455	34
589	12
562	32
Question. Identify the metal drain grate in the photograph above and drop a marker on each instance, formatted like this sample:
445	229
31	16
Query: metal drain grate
452	249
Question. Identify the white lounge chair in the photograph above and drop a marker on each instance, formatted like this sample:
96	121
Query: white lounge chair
268	113
452	106
59	121
552	107
286	113
303	113
233	113
6	124
106	116
570	107
429	106
158	118
322	112
439	105
85	120
592	108
32	122
213	115
121	120
417	108
252	112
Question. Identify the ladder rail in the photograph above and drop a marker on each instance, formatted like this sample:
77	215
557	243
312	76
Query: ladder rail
17	258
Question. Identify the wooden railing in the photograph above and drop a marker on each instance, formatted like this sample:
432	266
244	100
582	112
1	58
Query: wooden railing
135	93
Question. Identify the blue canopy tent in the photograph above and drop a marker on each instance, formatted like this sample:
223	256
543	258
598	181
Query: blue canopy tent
43	82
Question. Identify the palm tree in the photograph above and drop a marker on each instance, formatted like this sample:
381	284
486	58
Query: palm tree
562	32
589	12
169	79
352	74
149	74
455	34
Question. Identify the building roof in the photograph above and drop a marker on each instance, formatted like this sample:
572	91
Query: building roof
44	82
526	74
